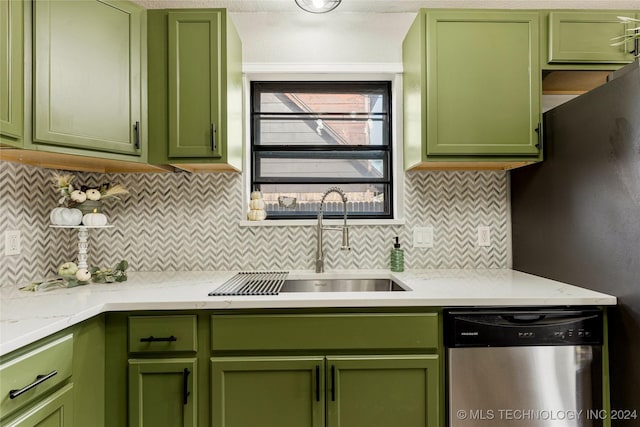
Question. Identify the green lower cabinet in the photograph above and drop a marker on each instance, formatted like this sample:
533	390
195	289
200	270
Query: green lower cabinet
383	391
162	392
89	373
353	391
55	410
49	374
267	391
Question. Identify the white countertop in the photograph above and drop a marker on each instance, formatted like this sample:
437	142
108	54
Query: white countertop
26	317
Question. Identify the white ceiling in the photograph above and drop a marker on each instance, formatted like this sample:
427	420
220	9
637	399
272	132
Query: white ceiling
277	35
389	6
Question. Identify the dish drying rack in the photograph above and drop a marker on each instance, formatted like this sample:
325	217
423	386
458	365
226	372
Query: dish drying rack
252	283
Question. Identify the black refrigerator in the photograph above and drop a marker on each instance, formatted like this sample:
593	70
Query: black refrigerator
576	215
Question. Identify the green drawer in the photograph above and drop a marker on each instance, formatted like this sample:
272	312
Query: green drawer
410	331
153	334
47	366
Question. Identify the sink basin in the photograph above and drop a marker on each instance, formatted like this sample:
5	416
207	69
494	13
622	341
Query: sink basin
341	285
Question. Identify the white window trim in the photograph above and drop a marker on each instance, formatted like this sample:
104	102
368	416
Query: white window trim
396	144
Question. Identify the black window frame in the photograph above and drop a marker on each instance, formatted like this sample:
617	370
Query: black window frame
383	151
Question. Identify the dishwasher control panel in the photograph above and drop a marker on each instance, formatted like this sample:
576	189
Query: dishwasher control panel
503	327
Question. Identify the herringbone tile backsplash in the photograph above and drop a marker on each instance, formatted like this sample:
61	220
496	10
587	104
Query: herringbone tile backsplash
186	221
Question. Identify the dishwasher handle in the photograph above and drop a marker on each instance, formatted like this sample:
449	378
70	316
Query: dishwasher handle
523	318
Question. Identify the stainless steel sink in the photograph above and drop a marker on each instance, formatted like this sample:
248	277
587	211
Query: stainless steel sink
341	285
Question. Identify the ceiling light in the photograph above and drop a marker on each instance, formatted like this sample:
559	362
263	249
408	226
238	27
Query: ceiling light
318	6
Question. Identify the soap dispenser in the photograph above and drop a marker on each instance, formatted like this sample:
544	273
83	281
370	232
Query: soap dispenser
397	257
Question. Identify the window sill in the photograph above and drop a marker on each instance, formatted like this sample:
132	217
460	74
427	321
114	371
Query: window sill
312	222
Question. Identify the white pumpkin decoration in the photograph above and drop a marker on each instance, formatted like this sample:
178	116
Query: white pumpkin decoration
93	194
256	215
78	196
65	216
256	204
83	275
94	219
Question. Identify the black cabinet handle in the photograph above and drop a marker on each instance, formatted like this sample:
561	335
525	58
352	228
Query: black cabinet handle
333	383
151	338
185	386
625	36
213	137
317	383
39	380
136	128
635	51
539	132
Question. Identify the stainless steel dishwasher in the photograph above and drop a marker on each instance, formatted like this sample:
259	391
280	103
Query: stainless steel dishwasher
524	367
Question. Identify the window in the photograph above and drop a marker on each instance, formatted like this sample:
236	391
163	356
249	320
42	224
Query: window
309	136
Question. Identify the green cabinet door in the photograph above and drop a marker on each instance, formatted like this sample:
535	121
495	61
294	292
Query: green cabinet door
383	391
162	392
195	89
88	64
55	410
11	72
482	83
267	392
585	37
195	95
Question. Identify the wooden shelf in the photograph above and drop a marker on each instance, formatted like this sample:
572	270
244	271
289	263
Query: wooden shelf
572	82
204	167
471	165
75	163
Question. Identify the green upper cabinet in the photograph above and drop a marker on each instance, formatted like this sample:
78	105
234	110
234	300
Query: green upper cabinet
194	85
88	75
162	392
471	89
195	88
11	72
586	37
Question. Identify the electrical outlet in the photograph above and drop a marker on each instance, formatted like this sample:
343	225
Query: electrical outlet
484	236
12	242
423	237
